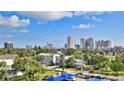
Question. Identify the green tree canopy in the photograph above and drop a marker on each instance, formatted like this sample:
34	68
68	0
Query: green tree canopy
39	58
70	63
29	67
3	64
3	71
117	66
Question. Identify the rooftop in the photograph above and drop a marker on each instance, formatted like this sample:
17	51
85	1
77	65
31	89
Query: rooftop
7	57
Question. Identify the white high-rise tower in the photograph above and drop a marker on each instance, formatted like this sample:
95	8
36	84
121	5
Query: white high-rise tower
82	43
71	42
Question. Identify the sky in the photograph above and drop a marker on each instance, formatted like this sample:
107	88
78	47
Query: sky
42	27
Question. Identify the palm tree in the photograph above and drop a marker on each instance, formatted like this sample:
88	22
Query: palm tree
82	63
62	62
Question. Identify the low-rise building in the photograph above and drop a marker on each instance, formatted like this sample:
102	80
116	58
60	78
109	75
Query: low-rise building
49	57
55	58
9	59
118	48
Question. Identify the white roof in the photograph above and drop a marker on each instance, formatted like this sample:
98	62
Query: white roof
45	54
48	54
67	57
7	57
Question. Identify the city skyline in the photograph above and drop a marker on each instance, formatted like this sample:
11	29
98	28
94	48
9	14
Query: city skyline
40	28
85	43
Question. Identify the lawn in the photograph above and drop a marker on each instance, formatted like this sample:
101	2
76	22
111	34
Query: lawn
109	73
37	77
111	57
48	73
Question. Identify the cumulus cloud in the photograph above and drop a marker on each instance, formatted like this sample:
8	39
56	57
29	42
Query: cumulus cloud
23	30
82	26
13	21
91	15
46	15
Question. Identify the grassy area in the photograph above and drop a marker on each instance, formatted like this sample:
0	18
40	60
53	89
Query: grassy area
37	76
109	73
111	57
48	74
70	69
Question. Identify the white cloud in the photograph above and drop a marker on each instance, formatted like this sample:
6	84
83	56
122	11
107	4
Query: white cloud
79	13
94	18
46	15
8	36
91	15
13	21
23	30
82	26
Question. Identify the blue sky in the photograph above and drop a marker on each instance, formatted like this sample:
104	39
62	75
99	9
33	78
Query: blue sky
38	28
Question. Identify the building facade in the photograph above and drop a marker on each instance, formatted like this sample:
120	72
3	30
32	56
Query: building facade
77	46
71	42
82	43
66	46
48	57
28	46
103	44
49	46
8	45
89	43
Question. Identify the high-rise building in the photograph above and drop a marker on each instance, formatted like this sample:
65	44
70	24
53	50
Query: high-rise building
90	43
101	44
98	44
71	42
8	45
66	46
109	43
28	46
49	46
82	43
